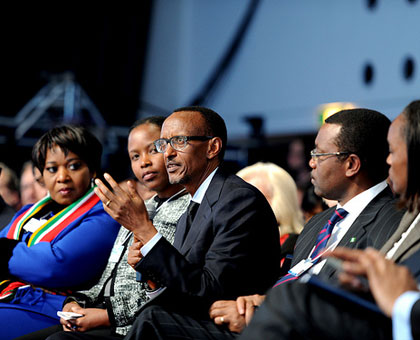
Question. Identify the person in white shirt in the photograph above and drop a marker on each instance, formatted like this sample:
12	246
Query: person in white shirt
309	311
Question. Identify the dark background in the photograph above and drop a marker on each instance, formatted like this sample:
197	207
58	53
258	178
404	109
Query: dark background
104	51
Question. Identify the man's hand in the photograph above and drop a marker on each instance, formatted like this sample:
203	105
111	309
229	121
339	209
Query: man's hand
92	318
126	207
134	254
387	281
226	312
246	305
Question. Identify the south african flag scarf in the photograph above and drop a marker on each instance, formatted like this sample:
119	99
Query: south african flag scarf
54	225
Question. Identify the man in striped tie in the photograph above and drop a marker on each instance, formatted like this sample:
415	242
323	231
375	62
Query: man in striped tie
349	166
320	310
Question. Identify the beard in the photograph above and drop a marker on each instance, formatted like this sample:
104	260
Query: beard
182	180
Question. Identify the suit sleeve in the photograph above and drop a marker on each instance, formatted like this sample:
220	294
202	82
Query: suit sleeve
77	255
236	251
305	311
415	319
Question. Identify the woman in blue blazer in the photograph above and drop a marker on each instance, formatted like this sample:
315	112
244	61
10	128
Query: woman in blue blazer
59	244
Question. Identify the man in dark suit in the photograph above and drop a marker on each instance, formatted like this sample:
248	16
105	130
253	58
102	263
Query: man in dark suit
359	135
348	166
309	311
227	247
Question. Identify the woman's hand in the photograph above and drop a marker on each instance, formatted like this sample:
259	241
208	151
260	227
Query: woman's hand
387	280
126	207
92	318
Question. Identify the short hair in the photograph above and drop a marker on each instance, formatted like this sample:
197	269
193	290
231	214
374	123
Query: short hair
69	138
215	125
283	194
364	133
154	120
411	132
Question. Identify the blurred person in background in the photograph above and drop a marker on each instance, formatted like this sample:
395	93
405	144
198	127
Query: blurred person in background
6	212
31	190
9	187
280	190
312	204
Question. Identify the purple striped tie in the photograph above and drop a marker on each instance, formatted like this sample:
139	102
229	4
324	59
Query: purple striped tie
321	242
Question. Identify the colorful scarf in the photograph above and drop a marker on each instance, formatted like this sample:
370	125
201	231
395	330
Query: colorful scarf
54	225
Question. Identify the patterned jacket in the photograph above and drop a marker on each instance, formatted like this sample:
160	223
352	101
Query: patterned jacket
123	295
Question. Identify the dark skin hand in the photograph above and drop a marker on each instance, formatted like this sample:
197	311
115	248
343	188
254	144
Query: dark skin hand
226	312
134	254
126	207
92	318
235	314
246	305
387	280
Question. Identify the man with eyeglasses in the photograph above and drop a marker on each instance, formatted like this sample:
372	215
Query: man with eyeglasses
226	245
349	166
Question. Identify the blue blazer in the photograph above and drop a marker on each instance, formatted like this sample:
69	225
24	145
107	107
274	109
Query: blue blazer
77	255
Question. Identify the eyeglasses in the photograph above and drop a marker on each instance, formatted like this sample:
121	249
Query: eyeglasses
177	142
315	154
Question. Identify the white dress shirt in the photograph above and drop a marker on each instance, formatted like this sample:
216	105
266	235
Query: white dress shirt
401	313
354	207
198	198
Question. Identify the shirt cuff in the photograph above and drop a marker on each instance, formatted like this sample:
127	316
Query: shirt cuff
401	312
149	245
152	293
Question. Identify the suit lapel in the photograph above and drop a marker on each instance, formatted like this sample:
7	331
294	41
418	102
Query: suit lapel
355	233
410	241
204	211
180	230
200	218
361	225
405	223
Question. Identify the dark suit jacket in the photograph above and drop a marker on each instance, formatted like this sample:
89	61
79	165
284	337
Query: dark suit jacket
232	248
302	309
374	226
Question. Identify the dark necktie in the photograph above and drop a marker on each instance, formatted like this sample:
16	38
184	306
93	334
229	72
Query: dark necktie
320	243
182	229
191	211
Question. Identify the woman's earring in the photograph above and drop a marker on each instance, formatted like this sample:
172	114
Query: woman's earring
92	182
